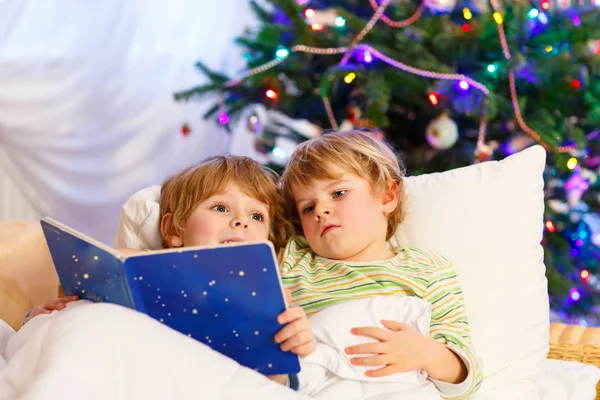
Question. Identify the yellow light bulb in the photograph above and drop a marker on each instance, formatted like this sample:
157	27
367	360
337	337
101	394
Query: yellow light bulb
350	77
467	13
572	163
548	49
498	17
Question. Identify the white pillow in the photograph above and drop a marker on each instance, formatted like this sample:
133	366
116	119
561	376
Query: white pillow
487	219
568	380
139	224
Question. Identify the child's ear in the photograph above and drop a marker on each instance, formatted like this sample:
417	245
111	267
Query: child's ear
168	231
391	197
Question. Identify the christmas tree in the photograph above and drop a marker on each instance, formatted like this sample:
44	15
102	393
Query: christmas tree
449	83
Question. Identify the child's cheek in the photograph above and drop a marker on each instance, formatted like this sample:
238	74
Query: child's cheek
309	228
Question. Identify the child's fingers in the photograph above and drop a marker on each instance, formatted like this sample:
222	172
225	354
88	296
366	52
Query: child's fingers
367	348
288	296
292	329
290	315
54	305
382	359
60	303
299	339
304	349
37	311
68	299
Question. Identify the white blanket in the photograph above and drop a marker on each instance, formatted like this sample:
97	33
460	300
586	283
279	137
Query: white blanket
102	351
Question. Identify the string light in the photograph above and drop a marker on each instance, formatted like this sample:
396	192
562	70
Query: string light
282	53
575	295
498	17
585	275
271	94
340	22
533	13
576	21
433	99
350	77
368	54
424	73
329	111
575	84
316	27
399	24
545	5
467	14
466	28
277	152
572	163
548	49
513	89
550	226
491	68
463	85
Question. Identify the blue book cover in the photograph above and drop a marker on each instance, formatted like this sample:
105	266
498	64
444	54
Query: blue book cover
227	297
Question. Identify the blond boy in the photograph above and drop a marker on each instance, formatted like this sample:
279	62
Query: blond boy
343	192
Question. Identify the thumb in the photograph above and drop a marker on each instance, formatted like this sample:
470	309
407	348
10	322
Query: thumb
288	296
394	325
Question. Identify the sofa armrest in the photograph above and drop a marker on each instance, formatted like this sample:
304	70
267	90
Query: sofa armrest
27	274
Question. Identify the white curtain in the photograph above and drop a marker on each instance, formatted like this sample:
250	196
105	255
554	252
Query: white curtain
87	115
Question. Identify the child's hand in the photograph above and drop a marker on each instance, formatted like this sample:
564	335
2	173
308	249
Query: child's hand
297	335
400	349
49	306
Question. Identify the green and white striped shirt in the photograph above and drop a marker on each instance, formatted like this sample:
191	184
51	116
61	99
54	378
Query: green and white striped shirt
317	282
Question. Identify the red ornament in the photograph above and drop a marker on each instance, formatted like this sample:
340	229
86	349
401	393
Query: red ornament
483	152
466	28
353	114
185	130
575	84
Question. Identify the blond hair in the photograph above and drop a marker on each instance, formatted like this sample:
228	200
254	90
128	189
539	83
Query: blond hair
359	153
181	193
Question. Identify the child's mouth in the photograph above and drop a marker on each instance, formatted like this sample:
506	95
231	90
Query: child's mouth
328	229
235	240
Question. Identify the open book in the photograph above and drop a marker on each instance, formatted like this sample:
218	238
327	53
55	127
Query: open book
227	297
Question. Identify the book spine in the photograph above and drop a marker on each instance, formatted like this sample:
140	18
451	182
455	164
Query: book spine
134	294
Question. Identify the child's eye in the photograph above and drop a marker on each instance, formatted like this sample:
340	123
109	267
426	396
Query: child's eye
308	209
339	193
257	216
219	208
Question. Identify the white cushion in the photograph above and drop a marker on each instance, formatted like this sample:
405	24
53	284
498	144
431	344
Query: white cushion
568	380
487	219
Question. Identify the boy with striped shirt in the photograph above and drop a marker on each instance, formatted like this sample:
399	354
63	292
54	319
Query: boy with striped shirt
343	192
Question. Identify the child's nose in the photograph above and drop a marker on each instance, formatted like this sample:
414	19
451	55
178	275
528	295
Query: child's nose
322	211
239	222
